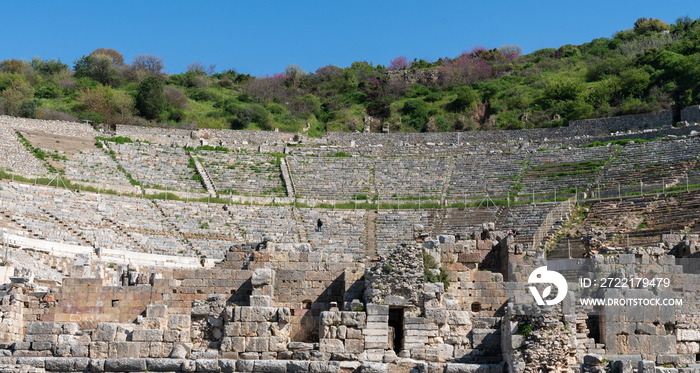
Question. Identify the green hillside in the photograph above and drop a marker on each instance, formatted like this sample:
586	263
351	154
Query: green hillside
652	66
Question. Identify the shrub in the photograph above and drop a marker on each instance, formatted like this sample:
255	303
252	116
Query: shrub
12	66
466	98
524	329
416	112
50	114
86	82
417	90
443	124
562	90
28	109
150	100
14	96
176	97
97	67
150	63
644	25
433	97
116	58
91	116
49	90
48	67
340	155
250	114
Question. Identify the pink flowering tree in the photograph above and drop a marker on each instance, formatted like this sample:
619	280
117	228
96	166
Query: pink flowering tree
466	69
399	63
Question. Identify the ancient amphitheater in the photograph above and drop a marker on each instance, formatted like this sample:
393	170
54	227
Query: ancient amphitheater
134	249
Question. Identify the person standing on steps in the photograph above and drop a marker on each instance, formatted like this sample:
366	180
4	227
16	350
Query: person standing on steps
319	226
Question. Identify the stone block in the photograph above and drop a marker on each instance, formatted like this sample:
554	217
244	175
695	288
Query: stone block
207	365
687	335
486	339
622	366
258	314
323	366
435	316
245	366
458	318
278	344
227	365
331	346
446	239
179	322
147	335
21	346
69	328
626	258
329	318
158	349
106	332
300	346
466	368
298	366
646	366
434	287
354	346
370	367
156	310
164	365
99	350
262	276
180	351
53	338
284	315
353	334
154	323
260	301
250	356
41	346
171	336
44	328
270	366
376	309
257	344
125	365
34	362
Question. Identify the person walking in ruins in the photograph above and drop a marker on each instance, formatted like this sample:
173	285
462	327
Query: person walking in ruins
319	226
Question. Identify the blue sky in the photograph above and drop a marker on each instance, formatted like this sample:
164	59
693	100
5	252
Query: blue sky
262	37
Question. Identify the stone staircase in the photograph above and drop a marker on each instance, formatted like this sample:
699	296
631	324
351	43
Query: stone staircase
370	233
206	179
67	227
464	222
125	232
174	229
286	176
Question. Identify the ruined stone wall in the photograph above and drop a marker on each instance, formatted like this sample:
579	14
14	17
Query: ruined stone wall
425	77
625	122
305	281
691	114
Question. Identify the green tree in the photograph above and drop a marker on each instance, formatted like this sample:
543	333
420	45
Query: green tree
150	100
116	58
644	25
98	67
466	98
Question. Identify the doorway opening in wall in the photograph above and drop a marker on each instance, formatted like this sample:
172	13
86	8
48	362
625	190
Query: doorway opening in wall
593	326
396	326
